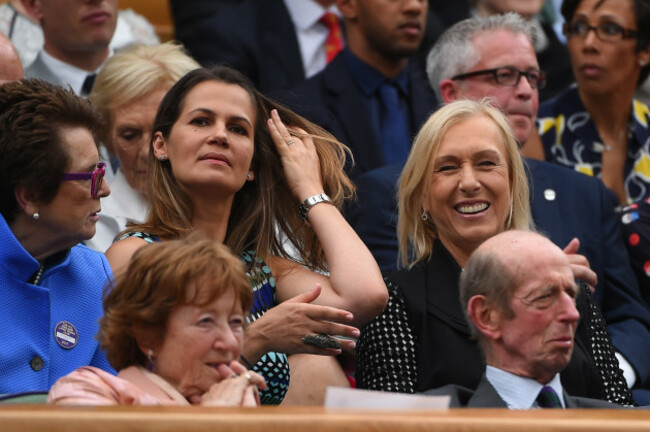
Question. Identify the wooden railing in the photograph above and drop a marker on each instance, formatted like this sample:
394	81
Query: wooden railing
22	418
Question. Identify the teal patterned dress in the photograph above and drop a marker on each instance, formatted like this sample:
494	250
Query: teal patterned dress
273	366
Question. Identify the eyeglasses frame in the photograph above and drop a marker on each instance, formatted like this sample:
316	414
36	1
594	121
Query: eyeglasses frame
626	32
97	175
520	73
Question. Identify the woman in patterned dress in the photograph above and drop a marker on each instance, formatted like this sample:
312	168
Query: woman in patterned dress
596	126
223	162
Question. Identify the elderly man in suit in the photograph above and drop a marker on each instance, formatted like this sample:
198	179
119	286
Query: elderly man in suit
519	295
494	57
77	35
371	96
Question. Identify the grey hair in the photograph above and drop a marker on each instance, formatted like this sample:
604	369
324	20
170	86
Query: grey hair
485	274
454	52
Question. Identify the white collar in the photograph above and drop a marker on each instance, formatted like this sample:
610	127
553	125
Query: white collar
68	73
519	392
306	13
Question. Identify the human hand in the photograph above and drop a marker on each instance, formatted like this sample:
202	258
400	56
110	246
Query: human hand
283	327
580	265
299	158
238	387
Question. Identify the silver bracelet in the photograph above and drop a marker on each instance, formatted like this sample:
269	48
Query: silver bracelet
310	202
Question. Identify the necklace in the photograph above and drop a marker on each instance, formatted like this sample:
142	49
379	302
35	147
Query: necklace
36	278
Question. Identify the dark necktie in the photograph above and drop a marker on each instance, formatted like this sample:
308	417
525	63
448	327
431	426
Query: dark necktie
334	41
88	85
547	398
394	130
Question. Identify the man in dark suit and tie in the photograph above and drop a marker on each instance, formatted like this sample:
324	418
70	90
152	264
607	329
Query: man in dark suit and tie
276	43
519	292
370	96
498	61
77	37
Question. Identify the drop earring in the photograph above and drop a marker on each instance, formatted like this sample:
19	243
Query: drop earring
151	367
36	215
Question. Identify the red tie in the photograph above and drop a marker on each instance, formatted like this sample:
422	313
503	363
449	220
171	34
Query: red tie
334	42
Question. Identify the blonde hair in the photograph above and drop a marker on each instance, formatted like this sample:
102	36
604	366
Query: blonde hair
135	72
420	234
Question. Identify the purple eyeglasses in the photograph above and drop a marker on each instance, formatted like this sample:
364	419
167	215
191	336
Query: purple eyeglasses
97	175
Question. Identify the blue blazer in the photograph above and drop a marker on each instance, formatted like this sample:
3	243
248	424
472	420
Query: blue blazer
256	37
582	207
333	100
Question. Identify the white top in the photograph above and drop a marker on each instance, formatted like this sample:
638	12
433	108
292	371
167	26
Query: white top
27	35
311	34
519	392
123	205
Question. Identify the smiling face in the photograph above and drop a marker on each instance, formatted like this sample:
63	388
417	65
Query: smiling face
496	49
537	341
71	216
131	136
468	197
198	339
211	144
605	67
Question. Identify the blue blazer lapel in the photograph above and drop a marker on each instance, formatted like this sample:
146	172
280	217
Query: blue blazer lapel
545	211
347	102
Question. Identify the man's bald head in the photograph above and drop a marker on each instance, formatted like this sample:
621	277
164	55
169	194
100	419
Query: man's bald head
10	67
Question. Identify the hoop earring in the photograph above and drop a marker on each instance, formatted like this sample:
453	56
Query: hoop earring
425	216
151	366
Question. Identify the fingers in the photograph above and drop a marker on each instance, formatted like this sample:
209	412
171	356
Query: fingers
586	274
572	247
307	297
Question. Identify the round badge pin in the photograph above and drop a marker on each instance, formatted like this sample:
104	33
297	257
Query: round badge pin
549	195
66	335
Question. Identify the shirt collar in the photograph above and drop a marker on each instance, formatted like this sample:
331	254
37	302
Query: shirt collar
306	13
369	78
520	392
68	73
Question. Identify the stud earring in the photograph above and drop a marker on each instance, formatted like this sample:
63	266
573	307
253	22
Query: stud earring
162	157
36	215
250	176
425	216
642	63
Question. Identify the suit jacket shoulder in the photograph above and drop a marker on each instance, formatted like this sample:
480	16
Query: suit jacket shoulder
486	396
38	69
256	37
333	100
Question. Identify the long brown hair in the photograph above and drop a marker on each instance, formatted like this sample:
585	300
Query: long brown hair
261	208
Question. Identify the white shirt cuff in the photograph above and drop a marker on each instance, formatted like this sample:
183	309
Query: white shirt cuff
628	370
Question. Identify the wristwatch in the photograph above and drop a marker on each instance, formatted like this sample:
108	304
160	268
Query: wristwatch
310	202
